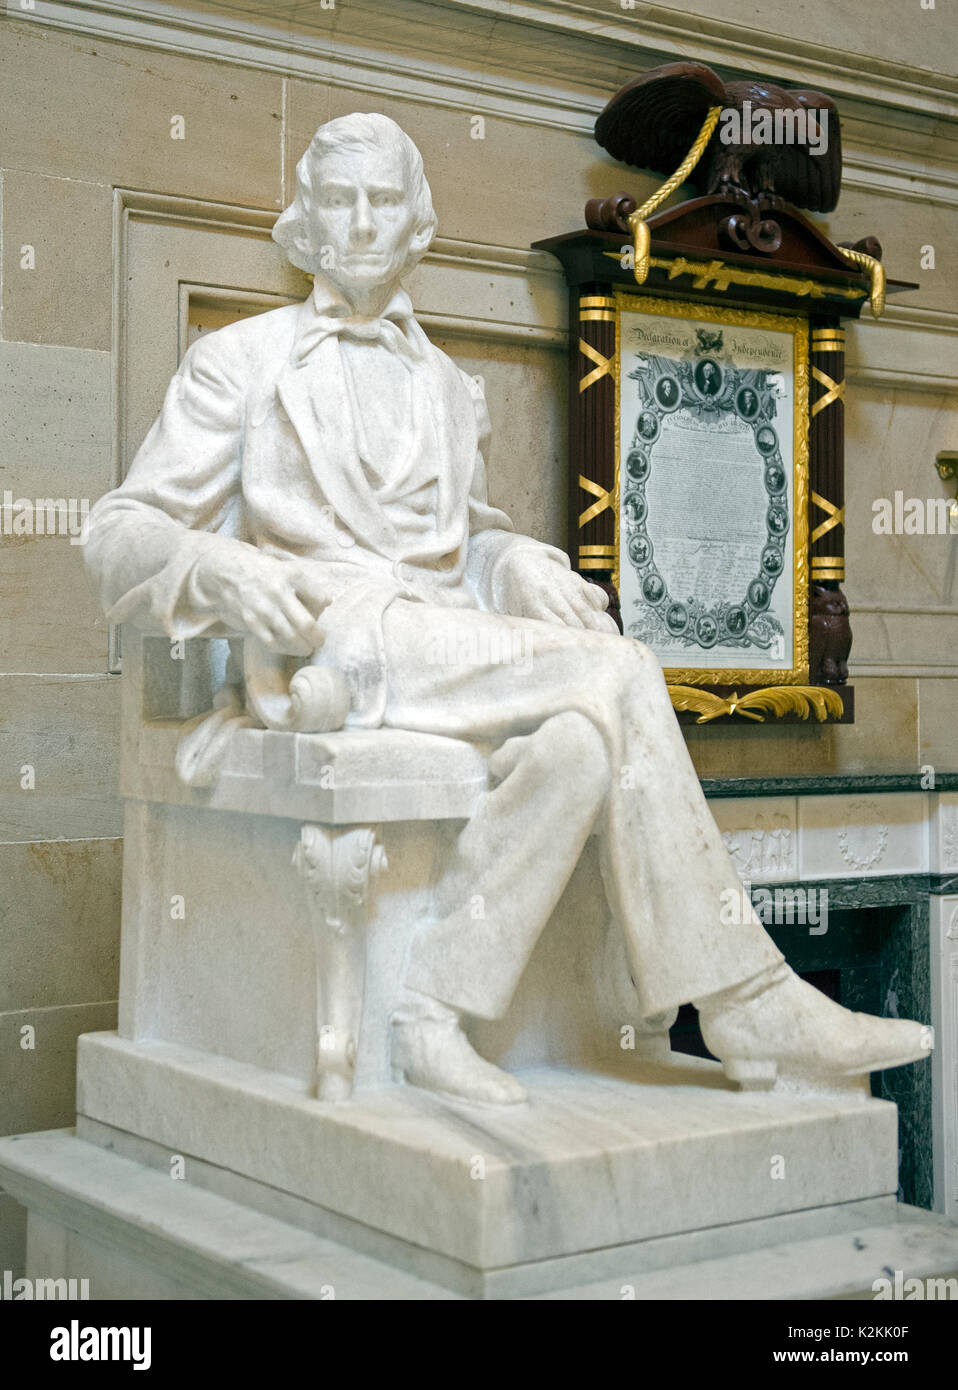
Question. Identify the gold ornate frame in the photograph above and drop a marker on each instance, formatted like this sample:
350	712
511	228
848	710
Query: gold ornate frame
797	325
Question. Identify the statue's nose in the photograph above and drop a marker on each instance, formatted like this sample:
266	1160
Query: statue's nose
362	228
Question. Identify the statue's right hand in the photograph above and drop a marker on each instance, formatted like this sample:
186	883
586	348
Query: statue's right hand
277	601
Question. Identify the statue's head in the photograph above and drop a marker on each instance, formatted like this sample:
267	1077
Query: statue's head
362	215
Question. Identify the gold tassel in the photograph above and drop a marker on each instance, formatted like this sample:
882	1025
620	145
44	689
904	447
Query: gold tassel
877	272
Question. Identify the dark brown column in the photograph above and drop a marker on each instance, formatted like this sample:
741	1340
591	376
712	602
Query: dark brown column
592	501
830	634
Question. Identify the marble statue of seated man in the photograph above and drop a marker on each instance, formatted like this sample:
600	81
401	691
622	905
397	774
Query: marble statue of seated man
315	482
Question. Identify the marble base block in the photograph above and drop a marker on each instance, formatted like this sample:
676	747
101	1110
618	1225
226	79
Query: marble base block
598	1166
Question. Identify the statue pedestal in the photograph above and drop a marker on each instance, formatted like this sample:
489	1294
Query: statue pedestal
596	1162
193	1176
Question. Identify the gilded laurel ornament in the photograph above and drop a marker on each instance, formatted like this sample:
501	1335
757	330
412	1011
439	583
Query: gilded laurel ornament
776	700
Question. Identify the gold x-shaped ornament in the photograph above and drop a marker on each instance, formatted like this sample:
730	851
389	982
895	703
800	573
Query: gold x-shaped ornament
605	366
835	517
835	390
604	496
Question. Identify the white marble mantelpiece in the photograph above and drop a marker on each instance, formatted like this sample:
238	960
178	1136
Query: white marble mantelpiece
944	835
944	997
761	835
863	835
846	835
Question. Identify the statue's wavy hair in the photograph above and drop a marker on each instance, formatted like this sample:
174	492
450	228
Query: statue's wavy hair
296	229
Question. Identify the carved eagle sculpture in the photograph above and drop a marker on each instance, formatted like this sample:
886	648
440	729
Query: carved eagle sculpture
653	121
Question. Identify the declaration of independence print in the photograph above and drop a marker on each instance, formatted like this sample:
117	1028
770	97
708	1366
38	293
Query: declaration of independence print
706	489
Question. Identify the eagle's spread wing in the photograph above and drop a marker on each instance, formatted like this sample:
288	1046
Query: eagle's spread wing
809	180
653	121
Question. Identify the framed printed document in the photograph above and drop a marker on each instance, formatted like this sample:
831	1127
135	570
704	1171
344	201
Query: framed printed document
711	489
706	444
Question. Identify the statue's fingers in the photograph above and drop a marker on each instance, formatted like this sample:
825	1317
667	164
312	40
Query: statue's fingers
283	637
303	622
564	612
541	612
260	630
313	592
596	596
603	622
581	607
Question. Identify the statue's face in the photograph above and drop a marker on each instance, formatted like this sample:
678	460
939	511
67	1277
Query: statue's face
366	217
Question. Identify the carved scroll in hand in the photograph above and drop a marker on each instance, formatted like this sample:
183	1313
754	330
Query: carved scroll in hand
315	699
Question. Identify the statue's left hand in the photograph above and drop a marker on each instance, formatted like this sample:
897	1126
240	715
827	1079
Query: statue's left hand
540	588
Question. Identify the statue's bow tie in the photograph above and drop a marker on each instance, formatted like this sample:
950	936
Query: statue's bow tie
388	330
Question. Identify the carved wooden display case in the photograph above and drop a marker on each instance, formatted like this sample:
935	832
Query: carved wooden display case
804	285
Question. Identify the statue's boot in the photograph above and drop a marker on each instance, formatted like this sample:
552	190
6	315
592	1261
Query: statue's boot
435	1054
777	1025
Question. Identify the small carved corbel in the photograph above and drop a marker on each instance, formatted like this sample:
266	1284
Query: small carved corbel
338	867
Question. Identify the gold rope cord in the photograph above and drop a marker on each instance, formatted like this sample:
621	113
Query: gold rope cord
877	272
641	236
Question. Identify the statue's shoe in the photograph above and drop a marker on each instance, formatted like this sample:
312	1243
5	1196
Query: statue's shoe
781	1026
436	1055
